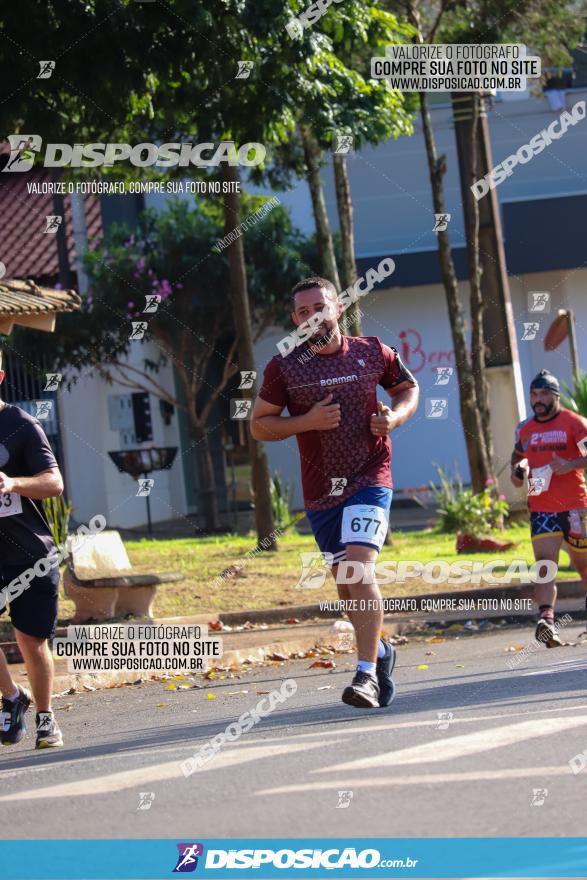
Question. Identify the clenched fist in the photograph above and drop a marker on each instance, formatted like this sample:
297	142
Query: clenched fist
6	484
324	415
383	421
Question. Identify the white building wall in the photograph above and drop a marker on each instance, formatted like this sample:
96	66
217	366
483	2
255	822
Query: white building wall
94	484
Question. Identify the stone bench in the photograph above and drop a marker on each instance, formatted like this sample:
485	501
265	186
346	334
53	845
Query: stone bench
101	582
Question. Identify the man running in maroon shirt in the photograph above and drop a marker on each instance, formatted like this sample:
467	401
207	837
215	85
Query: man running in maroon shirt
329	386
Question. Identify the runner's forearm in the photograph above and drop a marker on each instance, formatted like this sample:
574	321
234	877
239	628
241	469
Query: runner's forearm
39	487
405	403
579	463
270	428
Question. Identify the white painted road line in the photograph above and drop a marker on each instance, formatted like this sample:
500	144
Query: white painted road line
152	773
423	779
462	746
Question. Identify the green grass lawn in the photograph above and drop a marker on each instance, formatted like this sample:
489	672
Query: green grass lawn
269	579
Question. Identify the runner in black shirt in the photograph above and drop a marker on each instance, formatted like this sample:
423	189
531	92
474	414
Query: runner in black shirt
28	580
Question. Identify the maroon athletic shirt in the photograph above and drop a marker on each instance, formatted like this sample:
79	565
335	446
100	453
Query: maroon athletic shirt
351	451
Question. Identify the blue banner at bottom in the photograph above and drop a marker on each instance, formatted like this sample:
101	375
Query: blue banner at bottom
294	857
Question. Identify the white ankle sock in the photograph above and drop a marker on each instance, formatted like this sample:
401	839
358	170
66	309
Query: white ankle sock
380	649
366	666
13	697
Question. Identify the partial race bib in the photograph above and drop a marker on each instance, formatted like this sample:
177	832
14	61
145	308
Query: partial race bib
364	524
10	504
539	480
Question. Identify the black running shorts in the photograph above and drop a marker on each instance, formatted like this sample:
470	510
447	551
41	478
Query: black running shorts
34	611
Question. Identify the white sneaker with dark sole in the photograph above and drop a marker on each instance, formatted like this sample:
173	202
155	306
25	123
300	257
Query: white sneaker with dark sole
48	734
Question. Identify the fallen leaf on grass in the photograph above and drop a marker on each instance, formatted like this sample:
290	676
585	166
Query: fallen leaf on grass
514	648
292	620
216	625
322	664
422	666
161	705
435	640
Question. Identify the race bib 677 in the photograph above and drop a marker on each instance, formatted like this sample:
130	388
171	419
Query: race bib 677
364	524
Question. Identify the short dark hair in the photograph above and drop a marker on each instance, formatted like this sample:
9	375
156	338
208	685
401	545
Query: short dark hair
314	281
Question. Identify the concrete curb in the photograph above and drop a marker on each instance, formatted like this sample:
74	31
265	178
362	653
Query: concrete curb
297	644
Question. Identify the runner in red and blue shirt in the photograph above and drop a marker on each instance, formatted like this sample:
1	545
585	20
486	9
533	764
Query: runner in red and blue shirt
551	449
328	384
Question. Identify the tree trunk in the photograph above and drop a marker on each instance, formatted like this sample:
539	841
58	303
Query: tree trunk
246	357
476	295
207	482
345	217
471	419
326	254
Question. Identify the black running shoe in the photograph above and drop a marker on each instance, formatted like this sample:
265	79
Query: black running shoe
48	733
12	718
363	692
385	666
547	634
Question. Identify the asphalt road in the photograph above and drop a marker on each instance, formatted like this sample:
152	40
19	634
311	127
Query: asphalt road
498	765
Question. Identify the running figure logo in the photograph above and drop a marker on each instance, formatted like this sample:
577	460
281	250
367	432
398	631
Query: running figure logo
44	408
443	375
530	331
443	720
344	800
314	568
53	222
152	301
23	148
187	861
146	799
247	378
436	408
441	222
536	485
47	68
145	487
342	143
244	69
538	797
53	381
240	409
538	301
337	485
138	329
